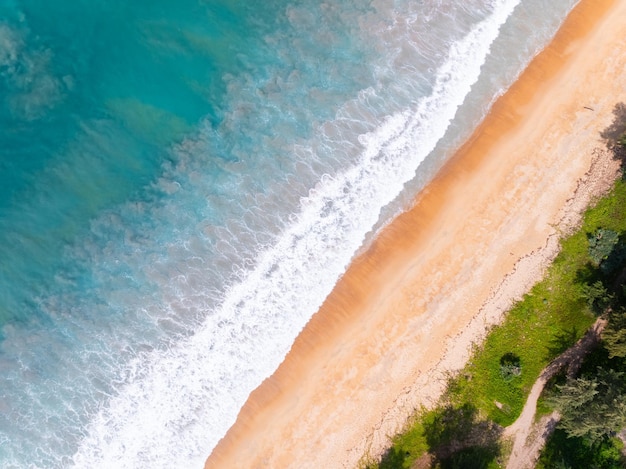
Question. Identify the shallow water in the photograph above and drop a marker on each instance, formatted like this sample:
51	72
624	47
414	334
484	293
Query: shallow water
182	183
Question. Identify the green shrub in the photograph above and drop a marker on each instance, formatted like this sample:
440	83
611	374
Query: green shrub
510	366
601	244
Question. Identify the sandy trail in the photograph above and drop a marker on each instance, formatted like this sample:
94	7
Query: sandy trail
409	309
529	438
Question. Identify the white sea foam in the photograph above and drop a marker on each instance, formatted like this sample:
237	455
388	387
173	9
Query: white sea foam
175	404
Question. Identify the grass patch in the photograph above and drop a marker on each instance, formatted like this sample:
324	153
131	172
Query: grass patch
537	329
407	446
455	436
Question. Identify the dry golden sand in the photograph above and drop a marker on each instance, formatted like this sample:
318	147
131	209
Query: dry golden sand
408	310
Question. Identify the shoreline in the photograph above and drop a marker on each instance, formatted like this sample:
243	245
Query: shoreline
408	309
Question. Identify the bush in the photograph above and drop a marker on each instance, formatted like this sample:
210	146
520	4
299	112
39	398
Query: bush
601	244
597	296
510	366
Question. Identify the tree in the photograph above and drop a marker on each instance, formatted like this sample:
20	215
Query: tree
592	408
597	296
601	244
614	334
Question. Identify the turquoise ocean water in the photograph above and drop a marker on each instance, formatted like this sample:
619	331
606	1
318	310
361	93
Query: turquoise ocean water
183	182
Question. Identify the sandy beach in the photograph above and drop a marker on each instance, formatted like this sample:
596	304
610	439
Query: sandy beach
409	309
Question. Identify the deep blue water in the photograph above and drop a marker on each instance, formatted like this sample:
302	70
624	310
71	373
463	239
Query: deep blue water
182	183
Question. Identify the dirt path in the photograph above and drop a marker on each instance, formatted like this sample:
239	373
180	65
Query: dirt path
529	437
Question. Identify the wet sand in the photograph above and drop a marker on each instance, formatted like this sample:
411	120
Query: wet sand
409	309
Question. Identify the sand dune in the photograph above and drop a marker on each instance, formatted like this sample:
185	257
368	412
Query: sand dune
479	236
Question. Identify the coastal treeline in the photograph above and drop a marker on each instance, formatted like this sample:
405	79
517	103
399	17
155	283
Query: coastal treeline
585	282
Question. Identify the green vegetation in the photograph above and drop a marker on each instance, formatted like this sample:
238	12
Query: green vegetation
594	407
601	245
563	451
585	280
510	366
455	437
614	335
